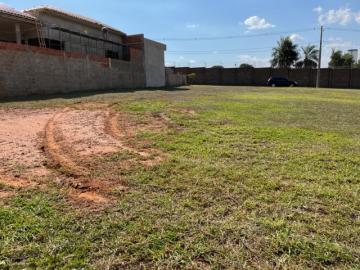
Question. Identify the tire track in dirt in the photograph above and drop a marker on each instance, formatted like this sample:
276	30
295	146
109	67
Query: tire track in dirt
55	152
112	128
22	161
149	157
75	139
80	189
72	137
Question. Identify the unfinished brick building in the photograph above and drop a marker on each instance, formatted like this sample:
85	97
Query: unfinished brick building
49	50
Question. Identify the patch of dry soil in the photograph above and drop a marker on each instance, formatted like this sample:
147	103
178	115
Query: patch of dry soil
31	140
85	132
21	141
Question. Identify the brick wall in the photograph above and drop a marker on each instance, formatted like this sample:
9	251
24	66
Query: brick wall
26	70
331	78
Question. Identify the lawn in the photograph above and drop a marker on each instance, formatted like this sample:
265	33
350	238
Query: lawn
254	178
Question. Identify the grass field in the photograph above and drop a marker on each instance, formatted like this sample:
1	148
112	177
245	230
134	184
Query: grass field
255	178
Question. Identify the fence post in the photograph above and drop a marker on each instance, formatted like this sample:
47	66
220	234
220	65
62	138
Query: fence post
350	77
236	74
221	76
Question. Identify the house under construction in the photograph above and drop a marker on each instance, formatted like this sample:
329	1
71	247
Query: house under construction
83	43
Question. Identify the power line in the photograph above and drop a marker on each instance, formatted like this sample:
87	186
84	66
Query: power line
216	52
239	36
304	30
342	29
219	51
230	51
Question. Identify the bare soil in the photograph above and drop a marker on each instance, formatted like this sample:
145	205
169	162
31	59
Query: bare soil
64	143
21	140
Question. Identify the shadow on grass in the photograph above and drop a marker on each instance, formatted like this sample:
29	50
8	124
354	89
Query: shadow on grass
72	95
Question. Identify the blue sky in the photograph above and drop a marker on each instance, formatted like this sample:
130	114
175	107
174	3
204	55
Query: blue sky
167	19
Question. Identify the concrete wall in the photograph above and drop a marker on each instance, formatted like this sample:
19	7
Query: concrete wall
154	63
174	79
332	78
26	70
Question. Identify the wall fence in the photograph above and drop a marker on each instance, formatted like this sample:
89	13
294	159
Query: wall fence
330	78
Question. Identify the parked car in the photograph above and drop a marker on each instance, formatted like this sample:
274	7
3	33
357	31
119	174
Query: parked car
280	81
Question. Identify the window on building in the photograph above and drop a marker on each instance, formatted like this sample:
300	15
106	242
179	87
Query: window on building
112	54
55	44
126	53
33	42
50	43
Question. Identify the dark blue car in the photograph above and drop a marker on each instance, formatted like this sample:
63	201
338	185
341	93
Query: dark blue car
280	81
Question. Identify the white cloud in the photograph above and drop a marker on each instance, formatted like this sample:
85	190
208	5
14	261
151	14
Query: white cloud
295	37
180	61
256	23
253	60
341	16
318	9
192	26
338	43
357	17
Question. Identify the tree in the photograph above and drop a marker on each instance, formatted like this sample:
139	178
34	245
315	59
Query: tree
348	60
218	66
299	64
338	59
357	65
285	54
244	65
311	57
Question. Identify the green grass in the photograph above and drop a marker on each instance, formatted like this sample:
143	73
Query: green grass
256	178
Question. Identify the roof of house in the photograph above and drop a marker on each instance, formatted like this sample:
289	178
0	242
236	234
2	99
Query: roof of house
71	15
5	9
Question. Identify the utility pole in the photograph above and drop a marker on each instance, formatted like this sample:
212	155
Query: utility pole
320	53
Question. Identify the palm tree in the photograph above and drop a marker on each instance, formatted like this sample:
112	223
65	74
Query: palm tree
311	57
285	54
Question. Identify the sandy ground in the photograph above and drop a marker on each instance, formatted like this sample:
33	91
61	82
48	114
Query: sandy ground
35	142
85	132
21	140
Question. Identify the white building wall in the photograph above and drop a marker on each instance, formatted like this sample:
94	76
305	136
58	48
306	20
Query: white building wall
154	63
